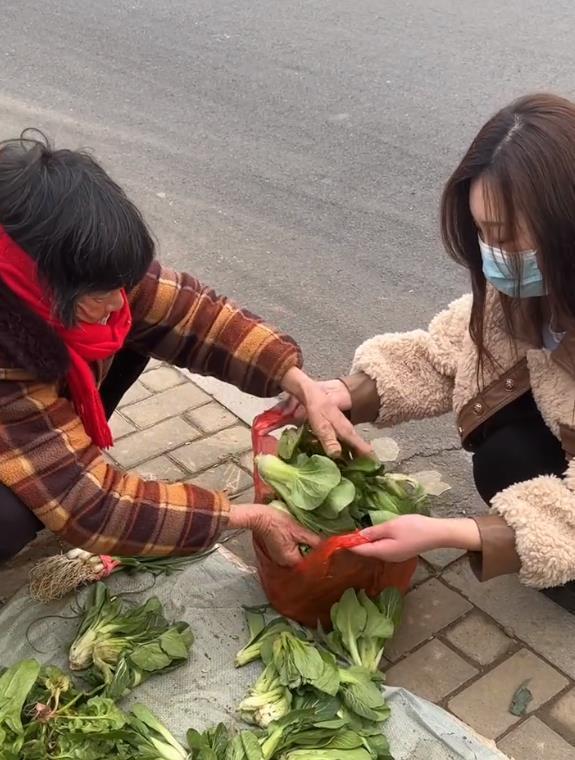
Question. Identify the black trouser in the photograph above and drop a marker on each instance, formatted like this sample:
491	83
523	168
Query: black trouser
513	446
18	525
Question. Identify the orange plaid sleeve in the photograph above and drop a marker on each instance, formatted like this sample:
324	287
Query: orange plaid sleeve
49	462
178	320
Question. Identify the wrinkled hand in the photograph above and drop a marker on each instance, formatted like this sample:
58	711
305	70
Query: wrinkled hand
322	404
278	531
410	535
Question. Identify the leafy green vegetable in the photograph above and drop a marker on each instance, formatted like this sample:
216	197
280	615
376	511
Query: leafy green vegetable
390	603
361	627
304	485
361	694
15	685
120	646
268	699
253	649
335	497
152	740
299	663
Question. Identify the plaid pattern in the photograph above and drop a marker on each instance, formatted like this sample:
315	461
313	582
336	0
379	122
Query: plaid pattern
49	462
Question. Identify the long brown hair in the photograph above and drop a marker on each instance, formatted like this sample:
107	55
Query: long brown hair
526	155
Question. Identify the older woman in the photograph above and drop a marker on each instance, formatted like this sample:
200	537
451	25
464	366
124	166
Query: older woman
83	305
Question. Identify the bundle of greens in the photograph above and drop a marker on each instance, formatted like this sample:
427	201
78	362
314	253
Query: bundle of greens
334	497
55	577
150	739
361	627
120	646
43	716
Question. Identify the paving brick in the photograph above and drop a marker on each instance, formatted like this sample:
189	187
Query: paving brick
440	558
533	740
162	378
146	444
525	613
224	477
136	392
421	573
166	404
247	461
485	704
212	417
120	426
428	608
479	638
161	468
433	672
561	716
213	450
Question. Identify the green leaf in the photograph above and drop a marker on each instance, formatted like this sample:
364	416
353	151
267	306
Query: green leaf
380	516
361	694
349	619
390	603
255	620
521	700
289	443
363	466
378	625
339	498
15	685
304	485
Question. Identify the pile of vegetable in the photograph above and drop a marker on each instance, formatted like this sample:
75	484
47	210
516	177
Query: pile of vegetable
317	698
119	646
44	715
333	497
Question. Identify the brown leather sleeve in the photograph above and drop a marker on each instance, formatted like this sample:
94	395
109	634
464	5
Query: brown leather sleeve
364	397
498	555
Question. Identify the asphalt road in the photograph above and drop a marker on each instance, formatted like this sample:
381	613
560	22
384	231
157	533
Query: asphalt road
292	154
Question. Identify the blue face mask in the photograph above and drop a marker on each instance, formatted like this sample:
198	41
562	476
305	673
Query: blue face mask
500	274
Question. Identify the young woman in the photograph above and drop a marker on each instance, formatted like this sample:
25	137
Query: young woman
83	305
502	358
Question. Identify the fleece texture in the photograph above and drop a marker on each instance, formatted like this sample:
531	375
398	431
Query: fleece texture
422	374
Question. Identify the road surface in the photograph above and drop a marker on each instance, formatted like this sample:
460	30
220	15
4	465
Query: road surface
291	154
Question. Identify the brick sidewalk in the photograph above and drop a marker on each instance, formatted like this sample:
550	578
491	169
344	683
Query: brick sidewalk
464	645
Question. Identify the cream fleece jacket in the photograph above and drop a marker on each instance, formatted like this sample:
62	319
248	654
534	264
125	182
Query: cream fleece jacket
423	374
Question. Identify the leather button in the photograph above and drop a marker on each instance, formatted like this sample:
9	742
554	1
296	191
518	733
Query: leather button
509	384
478	408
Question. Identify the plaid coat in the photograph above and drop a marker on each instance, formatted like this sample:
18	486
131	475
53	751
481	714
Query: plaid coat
50	463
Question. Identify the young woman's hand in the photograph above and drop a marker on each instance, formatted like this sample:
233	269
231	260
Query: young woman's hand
323	404
279	532
410	535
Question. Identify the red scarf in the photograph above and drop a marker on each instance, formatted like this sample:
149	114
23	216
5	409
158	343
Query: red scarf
85	342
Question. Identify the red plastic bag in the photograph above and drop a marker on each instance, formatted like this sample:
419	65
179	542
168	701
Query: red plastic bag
307	591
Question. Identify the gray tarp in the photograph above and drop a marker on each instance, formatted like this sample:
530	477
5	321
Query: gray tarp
209	595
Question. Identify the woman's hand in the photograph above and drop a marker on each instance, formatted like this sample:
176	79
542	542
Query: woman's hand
278	531
322	404
410	535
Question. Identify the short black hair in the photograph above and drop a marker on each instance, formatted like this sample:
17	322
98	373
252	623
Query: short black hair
66	212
